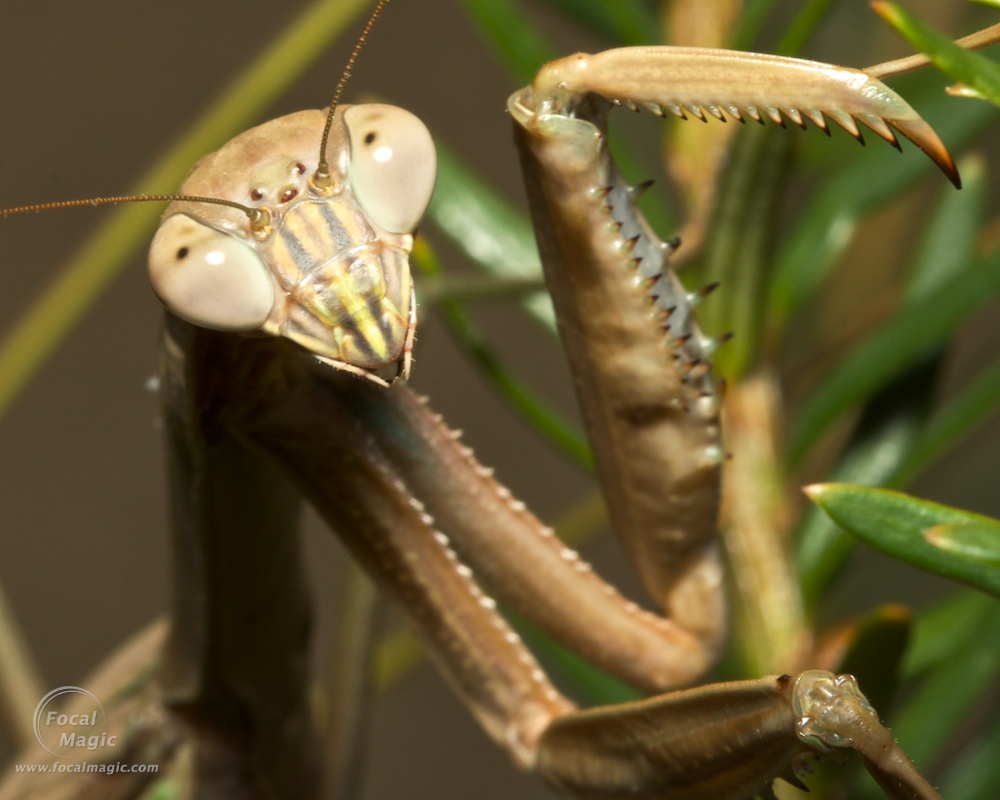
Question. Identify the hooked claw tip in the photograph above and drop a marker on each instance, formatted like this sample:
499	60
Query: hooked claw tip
950	170
924	137
937	152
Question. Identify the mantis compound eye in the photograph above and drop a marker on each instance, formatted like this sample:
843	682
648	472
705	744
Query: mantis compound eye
393	165
209	278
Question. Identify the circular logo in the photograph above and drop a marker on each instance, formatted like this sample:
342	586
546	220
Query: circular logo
62	732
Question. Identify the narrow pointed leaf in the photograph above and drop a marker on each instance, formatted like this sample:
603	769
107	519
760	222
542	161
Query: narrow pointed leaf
529	405
487	229
802	26
738	251
975	773
937	710
938	707
957	419
889	351
827	225
512	34
950	625
882	439
755	13
876	652
949	243
975	542
895	524
630	22
591	684
893	420
972	69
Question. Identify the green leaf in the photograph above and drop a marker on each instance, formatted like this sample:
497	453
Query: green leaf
972	69
512	34
627	22
950	240
950	625
476	289
938	708
979	543
802	26
883	437
487	229
493	234
893	421
896	523
962	415
874	658
975	773
826	227
591	684
738	254
530	406
876	652
164	788
751	23
890	350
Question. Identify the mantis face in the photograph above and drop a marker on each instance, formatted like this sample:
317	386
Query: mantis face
325	267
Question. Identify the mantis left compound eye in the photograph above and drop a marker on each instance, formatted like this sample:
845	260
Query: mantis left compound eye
393	165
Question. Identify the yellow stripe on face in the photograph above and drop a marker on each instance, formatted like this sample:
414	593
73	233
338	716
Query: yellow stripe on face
370	335
327	258
313	234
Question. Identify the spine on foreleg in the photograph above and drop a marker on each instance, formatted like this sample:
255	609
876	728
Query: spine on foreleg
638	360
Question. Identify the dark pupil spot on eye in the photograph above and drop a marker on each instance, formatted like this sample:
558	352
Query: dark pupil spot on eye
256	194
300	168
182	253
370	138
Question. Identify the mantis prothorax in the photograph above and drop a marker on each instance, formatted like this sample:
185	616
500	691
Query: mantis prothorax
286	247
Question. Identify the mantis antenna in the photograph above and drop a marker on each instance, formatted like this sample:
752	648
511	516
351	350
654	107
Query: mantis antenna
260	218
321	179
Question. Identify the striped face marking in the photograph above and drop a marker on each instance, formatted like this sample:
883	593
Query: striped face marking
331	272
347	292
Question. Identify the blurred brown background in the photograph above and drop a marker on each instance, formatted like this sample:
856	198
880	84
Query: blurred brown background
90	93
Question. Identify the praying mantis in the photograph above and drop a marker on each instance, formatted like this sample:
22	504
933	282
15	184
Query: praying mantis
911	154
